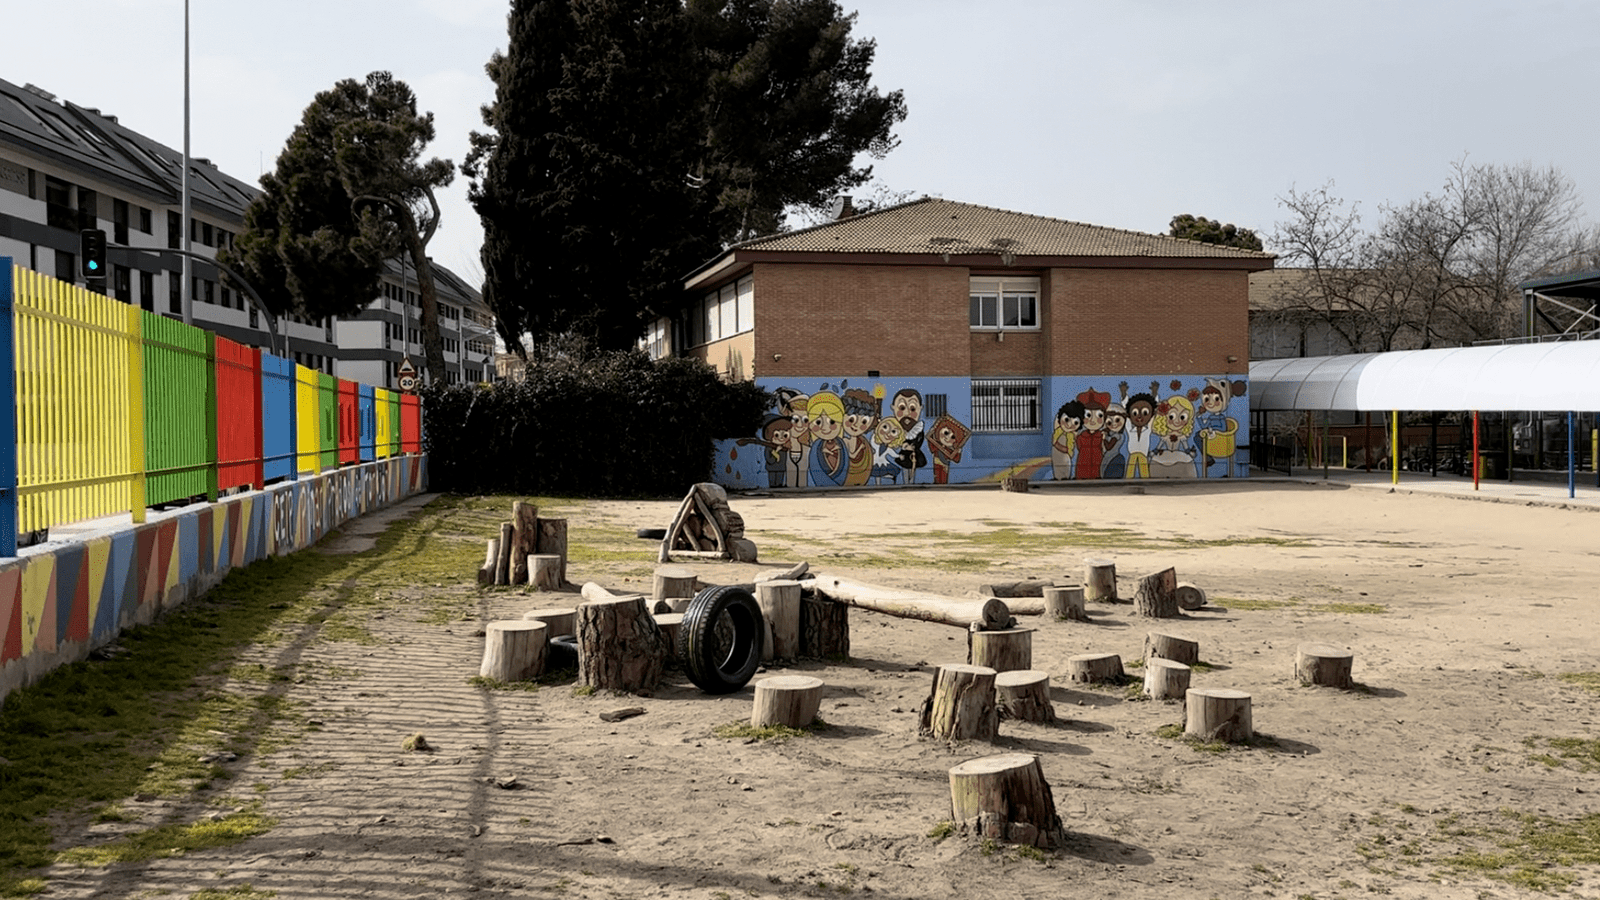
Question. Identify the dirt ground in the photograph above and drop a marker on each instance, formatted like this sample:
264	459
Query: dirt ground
1462	617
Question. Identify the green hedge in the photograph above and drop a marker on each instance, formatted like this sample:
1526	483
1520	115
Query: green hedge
616	424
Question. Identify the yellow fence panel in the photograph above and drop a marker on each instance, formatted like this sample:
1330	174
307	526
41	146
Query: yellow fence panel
308	438
388	428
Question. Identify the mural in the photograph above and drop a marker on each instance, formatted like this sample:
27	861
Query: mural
835	434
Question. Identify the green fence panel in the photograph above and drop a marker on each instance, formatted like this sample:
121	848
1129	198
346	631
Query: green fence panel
179	430
328	415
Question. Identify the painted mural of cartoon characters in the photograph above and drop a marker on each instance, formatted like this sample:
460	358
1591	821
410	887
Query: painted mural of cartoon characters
1175	456
1116	439
945	441
1064	439
1215	433
830	459
774	440
1140	432
1090	443
907	407
797	452
860	416
887	439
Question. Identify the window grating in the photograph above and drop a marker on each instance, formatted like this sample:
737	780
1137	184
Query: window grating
1005	405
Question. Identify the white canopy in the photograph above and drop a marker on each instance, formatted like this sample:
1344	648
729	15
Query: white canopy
1562	375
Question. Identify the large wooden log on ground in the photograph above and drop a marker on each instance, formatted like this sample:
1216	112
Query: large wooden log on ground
619	646
1190	595
990	614
824	628
502	563
553	540
1095	668
1005	798
780	605
1024	694
1157	596
1063	602
1170	645
1100	580
1165	679
789	700
1006	650
513	650
1323	664
1005	590
492	556
558	619
674	582
524	539
545	571
961	705
1218	714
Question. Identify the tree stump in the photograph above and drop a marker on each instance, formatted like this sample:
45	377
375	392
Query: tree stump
1190	595
669	623
780	604
513	650
1218	714
1024	694
824	628
553	540
1065	602
492	556
1002	651
1165	679
619	646
502	562
1005	798
559	620
546	571
524	540
1100	580
674	582
1095	668
1157	596
1323	664
1015	483
961	705
1167	645
790	700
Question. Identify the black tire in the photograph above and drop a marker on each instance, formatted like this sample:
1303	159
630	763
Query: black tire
652	534
720	639
562	653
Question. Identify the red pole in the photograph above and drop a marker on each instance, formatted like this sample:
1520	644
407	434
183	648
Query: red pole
1475	450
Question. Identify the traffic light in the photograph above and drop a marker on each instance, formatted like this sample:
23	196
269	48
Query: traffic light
92	253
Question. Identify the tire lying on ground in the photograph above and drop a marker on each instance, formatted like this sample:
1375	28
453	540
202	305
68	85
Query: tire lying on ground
562	654
654	534
719	642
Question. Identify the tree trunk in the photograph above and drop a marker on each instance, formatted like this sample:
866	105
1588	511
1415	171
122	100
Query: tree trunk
1095	668
961	705
502	563
674	582
1005	798
990	614
525	539
619	646
1100	580
553	540
490	561
1165	679
670	623
1218	714
1323	664
780	605
1024	694
1065	603
1157	596
558	620
1176	647
824	628
427	294
513	650
789	700
546	572
1003	651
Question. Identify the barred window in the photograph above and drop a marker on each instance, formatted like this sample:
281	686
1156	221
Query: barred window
1005	404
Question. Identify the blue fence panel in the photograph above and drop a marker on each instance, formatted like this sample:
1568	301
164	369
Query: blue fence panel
8	416
278	421
369	424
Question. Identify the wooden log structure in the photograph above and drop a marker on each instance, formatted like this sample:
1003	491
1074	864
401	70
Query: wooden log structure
553	541
780	606
1024	694
674	582
490	558
1165	679
558	619
1100	580
524	538
1324	665
1171	645
513	650
502	563
620	648
1006	590
1190	595
593	591
1218	714
1095	668
1157	596
991	613
1015	483
961	705
1005	798
1065	602
1007	650
789	700
824	627
670	623
544	571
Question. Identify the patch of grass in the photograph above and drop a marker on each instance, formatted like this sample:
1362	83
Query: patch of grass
1353	608
583	690
1587	680
988	847
942	830
484	682
1239	603
746	731
237	892
1583	752
1028	851
173	840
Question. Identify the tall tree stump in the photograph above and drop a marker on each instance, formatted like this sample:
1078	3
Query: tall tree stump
1095	668
1169	645
1323	664
553	540
670	623
558	620
1002	651
1218	714
513	650
619	646
1165	679
674	582
1065	601
524	539
1157	596
961	705
502	563
546	571
1190	595
1024	694
490	559
1100	580
790	700
780	604
824	628
1005	798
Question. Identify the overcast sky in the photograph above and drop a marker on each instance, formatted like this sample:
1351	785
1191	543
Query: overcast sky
1122	114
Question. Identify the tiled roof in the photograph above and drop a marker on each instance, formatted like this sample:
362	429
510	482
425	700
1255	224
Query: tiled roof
932	225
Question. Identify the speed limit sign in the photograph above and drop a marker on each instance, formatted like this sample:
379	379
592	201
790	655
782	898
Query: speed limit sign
407	375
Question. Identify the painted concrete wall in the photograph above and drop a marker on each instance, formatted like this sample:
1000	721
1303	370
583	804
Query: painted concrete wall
61	600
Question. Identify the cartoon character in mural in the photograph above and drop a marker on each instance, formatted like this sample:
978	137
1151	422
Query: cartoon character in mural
1215	433
830	459
1116	440
1064	439
906	406
1174	455
774	441
1140	433
1090	443
860	415
797	456
887	439
945	442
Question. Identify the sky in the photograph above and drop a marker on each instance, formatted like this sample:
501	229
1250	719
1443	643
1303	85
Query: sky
1121	114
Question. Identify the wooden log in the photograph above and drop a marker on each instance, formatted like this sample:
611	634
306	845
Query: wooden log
1170	645
1015	483
961	705
742	550
513	650
1100	580
593	591
792	573
674	581
1157	596
780	605
1323	664
789	700
824	628
620	648
525	539
1005	798
1218	714
545	571
486	571
1065	602
558	620
1006	590
1095	668
1024	694
670	623
1190	595
553	540
1003	651
502	562
1165	679
990	613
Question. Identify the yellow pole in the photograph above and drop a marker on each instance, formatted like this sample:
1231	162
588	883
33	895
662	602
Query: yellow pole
1394	447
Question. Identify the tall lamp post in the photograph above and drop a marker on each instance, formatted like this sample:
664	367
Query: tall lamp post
186	289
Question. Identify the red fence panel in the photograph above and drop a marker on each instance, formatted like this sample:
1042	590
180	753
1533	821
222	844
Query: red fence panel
410	424
239	456
349	422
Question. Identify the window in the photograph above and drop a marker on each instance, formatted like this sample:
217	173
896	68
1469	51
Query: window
122	283
58	211
726	312
174	294
67	267
996	303
119	220
144	220
1005	404
147	291
88	209
654	341
174	235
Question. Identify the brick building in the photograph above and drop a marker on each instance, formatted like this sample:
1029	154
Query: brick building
937	342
